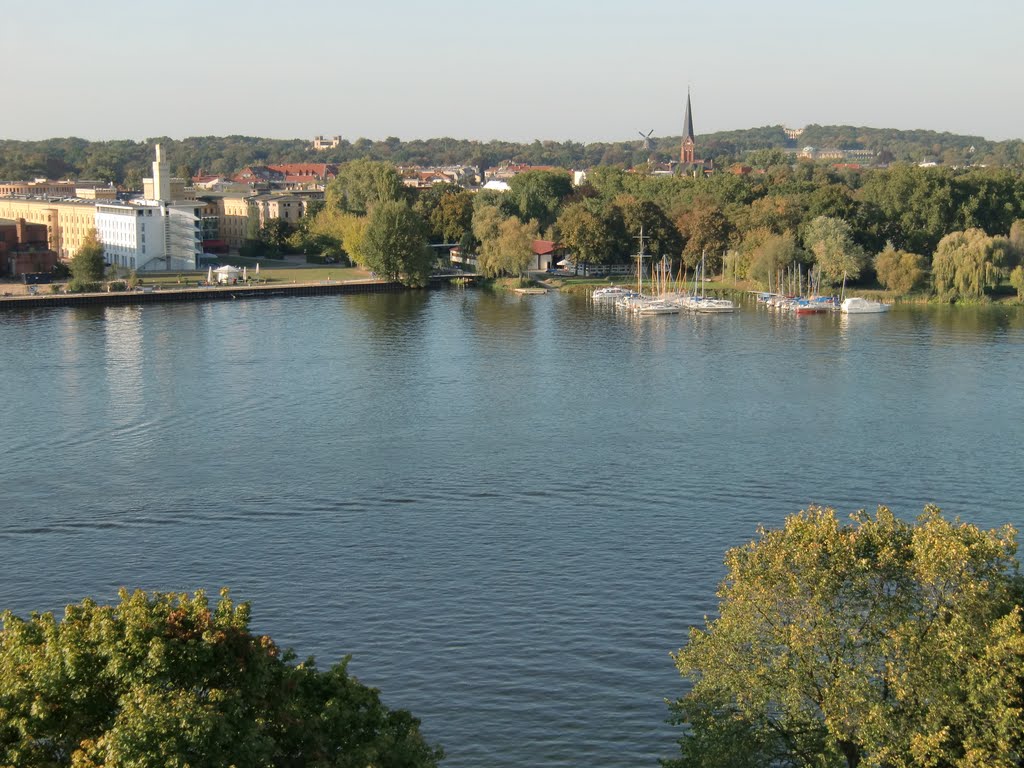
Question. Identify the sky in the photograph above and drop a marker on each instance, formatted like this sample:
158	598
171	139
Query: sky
597	70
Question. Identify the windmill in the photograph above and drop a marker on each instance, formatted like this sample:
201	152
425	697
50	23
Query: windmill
648	144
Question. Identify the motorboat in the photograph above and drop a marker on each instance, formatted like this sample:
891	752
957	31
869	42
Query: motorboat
855	305
610	293
657	307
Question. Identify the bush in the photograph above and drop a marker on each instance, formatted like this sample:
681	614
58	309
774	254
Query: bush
117	286
83	286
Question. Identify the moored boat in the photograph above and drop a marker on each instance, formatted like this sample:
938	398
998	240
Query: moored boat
855	305
610	293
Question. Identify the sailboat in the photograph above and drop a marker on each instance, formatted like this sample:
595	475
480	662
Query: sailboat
657	305
701	303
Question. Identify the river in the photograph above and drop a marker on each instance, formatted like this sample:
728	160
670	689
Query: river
509	510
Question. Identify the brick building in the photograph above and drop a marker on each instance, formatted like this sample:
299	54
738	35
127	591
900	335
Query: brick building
24	247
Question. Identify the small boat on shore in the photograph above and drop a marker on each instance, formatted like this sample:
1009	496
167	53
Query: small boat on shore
855	305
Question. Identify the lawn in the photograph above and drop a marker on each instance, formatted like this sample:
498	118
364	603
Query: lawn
267	274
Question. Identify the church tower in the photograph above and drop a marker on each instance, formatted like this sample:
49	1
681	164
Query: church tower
686	152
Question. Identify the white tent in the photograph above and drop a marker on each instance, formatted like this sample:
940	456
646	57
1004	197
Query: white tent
227	273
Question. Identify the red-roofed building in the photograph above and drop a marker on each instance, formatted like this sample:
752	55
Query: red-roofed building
547	254
287	175
306	173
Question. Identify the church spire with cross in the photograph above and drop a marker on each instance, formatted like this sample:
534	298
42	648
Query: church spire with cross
686	151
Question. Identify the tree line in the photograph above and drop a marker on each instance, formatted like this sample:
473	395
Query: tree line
959	234
127	162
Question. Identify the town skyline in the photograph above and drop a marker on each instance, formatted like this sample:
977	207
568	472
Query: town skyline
559	71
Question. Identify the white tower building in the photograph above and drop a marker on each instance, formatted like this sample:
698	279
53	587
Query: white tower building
161	178
153	234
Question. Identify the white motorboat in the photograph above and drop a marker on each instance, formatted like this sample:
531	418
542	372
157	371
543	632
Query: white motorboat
855	305
610	293
657	307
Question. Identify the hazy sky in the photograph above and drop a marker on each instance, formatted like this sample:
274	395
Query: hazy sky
480	69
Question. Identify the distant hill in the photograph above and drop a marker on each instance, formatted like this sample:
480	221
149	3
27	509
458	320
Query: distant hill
125	161
890	143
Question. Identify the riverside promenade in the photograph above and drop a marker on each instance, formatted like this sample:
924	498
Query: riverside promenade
204	293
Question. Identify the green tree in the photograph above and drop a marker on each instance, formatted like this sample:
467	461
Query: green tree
167	680
539	194
900	271
508	251
363	183
706	230
592	232
1017	281
452	217
87	265
875	643
662	237
966	264
913	207
770	257
831	242
1016	239
395	244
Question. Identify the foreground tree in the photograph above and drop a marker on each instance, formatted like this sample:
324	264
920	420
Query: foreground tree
877	643
164	680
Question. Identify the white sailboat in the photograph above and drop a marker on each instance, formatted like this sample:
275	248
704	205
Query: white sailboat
701	303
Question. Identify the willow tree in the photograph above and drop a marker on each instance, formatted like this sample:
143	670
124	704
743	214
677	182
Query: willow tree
163	680
968	263
874	643
506	248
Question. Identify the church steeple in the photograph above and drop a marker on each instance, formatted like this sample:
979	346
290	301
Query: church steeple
686	152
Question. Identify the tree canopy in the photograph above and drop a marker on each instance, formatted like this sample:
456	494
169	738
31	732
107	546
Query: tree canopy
394	244
874	643
361	184
167	681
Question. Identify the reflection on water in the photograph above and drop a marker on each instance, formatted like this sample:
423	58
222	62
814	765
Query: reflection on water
509	509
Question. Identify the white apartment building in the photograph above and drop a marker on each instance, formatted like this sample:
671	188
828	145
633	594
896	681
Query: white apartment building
150	235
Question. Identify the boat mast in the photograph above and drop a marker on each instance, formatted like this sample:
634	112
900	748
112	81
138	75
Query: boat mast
640	263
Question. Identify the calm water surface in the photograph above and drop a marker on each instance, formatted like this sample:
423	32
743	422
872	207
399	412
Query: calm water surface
509	510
